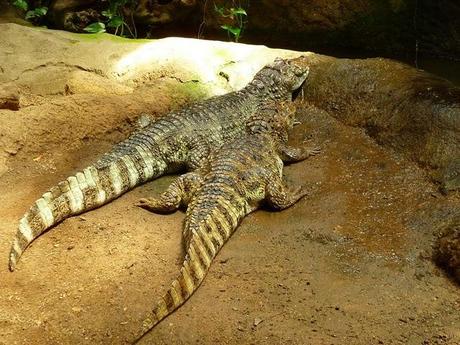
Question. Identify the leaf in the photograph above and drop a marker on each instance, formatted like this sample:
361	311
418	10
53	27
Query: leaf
36	13
114	5
115	22
95	28
107	14
219	9
119	2
239	11
22	4
233	30
41	11
29	15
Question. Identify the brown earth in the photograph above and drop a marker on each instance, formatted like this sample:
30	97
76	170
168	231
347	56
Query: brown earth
350	264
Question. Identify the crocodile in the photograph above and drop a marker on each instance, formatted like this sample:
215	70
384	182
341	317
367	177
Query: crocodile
178	141
235	181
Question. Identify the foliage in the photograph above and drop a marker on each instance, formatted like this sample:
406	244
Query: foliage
116	16
21	4
34	15
115	19
95	28
237	17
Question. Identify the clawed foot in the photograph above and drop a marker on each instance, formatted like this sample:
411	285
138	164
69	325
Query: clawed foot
300	192
314	151
157	205
311	151
150	204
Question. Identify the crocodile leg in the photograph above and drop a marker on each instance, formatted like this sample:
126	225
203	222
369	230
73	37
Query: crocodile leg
198	154
290	154
178	194
279	197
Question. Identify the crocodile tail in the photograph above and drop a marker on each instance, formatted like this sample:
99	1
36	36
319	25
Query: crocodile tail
93	187
206	239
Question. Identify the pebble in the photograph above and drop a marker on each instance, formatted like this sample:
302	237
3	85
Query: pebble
257	321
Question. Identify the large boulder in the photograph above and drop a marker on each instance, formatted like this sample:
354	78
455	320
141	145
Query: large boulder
408	109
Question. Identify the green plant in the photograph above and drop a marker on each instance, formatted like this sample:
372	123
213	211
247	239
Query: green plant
237	17
34	15
21	4
115	19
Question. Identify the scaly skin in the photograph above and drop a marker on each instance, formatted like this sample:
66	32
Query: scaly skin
180	140
235	181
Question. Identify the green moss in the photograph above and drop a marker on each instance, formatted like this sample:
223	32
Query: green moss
224	54
107	37
191	90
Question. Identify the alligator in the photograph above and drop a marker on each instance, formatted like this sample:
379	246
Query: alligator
235	181
178	141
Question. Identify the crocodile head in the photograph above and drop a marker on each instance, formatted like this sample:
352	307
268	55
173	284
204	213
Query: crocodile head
293	72
283	76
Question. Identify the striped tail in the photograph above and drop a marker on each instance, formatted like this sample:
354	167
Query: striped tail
86	190
205	240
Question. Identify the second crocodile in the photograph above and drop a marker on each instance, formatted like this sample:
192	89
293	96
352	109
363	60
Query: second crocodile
235	181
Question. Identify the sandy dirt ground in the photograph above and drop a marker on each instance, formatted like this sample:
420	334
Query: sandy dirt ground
349	264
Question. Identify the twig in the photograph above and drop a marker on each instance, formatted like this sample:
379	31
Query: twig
132	21
203	21
129	29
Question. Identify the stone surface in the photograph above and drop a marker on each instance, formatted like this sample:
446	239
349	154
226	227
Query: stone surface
410	110
447	248
9	97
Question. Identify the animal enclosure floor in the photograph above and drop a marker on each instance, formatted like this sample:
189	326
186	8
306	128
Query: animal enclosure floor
349	264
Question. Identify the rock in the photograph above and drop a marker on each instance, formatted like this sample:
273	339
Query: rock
450	177
76	15
62	12
86	82
257	321
9	97
407	109
447	250
155	12
3	165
